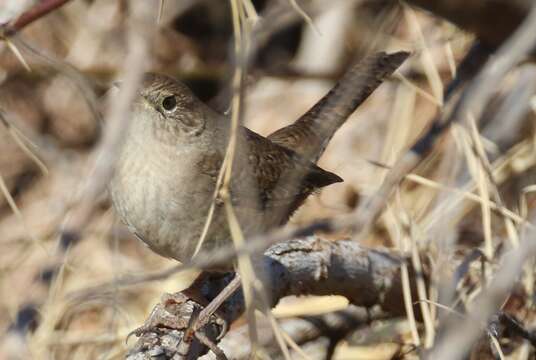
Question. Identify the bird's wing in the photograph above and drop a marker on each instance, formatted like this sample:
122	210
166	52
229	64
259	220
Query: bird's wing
284	178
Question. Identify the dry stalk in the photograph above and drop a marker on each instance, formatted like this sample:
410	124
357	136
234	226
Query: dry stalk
41	9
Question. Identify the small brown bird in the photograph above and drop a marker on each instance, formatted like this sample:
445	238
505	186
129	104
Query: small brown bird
167	169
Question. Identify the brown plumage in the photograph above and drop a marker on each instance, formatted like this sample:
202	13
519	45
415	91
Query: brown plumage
310	134
167	168
284	178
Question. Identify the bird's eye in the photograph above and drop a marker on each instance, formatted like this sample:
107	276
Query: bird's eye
169	103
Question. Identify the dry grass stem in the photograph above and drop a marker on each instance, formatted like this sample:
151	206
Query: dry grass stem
425	250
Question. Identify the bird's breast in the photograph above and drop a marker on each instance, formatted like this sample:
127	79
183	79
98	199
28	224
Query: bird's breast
163	199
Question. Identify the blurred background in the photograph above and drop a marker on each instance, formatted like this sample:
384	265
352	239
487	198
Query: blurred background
77	294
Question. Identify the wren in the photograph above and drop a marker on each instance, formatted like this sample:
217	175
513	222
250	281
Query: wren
167	169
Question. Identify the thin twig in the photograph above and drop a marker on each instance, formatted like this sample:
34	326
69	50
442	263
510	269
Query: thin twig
41	9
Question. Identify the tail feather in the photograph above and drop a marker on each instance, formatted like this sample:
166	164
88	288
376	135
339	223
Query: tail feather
310	134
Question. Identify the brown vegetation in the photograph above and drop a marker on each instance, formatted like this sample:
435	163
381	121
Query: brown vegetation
441	255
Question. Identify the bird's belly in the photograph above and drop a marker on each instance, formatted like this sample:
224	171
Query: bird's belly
160	210
170	219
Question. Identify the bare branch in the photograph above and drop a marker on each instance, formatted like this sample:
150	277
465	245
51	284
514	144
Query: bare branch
311	266
34	13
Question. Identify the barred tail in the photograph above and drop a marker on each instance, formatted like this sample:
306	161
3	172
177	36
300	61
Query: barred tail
310	134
